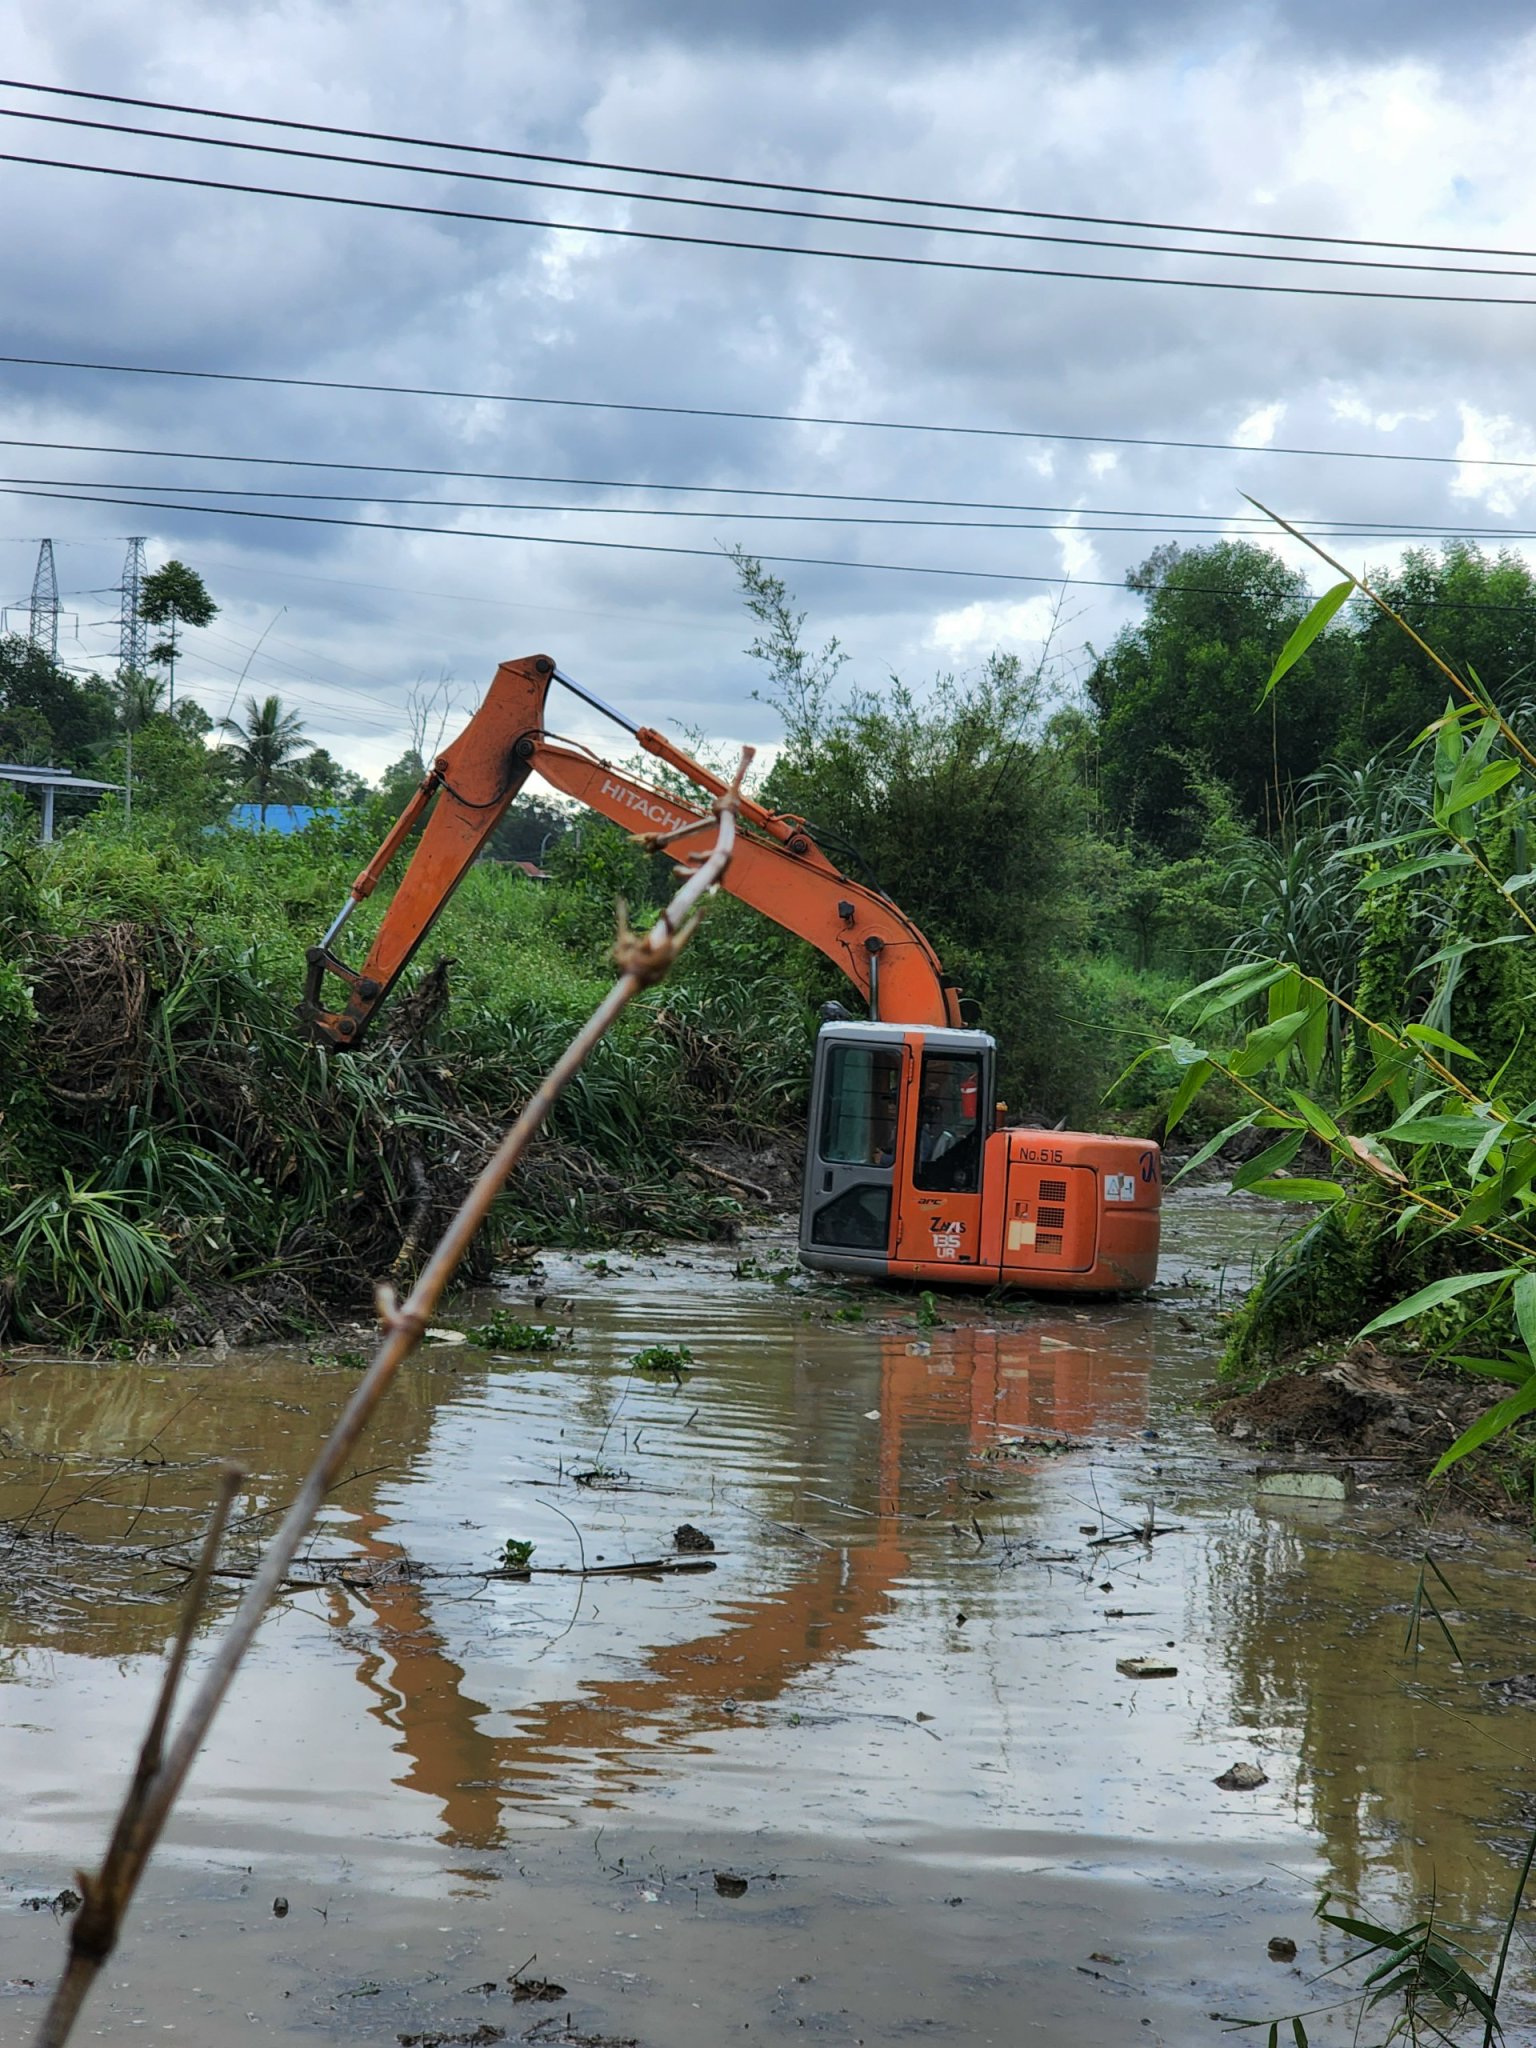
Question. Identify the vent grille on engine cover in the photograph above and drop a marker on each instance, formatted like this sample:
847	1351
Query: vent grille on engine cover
1053	1191
1052	1219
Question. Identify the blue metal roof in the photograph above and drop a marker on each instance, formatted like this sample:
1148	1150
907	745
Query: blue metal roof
283	818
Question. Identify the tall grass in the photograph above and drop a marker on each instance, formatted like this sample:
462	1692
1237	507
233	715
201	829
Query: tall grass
221	1153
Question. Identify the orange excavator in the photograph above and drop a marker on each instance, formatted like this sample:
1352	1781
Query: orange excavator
908	1173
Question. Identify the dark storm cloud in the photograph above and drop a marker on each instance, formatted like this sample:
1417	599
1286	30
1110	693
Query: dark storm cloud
1201	119
1367	27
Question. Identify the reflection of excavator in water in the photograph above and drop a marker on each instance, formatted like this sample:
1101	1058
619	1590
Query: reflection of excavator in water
905	1173
992	1392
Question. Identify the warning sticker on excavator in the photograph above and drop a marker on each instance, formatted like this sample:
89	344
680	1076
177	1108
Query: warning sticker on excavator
1119	1187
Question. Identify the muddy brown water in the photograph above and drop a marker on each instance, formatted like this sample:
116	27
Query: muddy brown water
892	1707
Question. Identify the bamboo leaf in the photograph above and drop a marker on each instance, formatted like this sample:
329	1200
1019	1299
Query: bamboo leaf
1367	1930
1266	1042
1426	864
1464	793
1464	1131
1450	744
1385	1074
1431	1297
1210	1148
1524	1294
1455	714
1516	1371
1502	1190
1149	1052
1298	1190
1365	1151
1503	1415
1466	946
1194	1080
1392	842
1312	1040
1234	985
1481	746
1285	995
1492	1138
1267	1162
1307	632
1425	1099
1424	1034
1317	1119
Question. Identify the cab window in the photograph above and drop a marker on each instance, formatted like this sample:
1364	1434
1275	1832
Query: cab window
858	1118
946	1155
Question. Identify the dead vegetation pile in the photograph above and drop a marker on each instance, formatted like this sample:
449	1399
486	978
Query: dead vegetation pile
196	1168
91	995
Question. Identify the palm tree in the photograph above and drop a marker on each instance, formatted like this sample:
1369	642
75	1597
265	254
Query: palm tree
267	744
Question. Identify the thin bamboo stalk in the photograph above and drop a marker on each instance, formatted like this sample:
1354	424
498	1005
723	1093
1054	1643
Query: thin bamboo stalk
644	959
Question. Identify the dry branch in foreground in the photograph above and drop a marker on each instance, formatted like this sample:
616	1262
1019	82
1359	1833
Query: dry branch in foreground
643	960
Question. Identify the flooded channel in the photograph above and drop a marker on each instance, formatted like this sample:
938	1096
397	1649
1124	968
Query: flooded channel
871	1773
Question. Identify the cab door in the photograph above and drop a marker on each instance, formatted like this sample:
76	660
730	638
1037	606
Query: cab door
939	1227
850	1163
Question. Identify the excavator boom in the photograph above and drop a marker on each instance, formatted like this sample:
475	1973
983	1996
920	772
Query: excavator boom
777	867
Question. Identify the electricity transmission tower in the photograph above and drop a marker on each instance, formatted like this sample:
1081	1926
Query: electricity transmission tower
43	621
133	634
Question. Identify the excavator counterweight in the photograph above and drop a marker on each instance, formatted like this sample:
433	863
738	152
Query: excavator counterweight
906	1175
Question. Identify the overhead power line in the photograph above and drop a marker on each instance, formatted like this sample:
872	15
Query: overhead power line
1202	519
343	715
305	674
758	208
675	239
761	418
633	547
719	513
1073	518
759	184
593	483
620	547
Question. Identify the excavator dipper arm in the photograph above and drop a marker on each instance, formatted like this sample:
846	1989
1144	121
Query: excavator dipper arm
777	867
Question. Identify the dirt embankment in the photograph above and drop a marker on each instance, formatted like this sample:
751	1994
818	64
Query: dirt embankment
1387	1413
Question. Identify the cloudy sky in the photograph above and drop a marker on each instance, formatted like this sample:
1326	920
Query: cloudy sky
578	371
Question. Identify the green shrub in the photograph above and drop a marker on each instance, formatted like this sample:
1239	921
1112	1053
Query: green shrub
75	1257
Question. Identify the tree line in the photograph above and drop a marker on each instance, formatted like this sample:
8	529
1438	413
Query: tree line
1176	698
1074	851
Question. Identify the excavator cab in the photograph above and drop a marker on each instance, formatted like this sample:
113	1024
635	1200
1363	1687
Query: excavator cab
899	1123
906	1176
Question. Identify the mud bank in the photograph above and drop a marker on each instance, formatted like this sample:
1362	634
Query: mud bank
1388	1419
